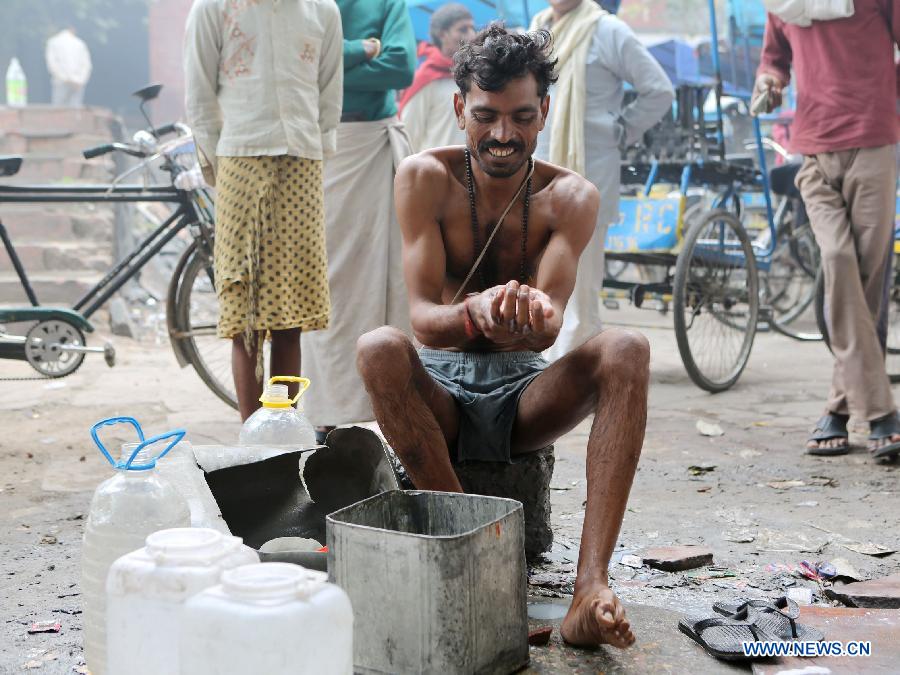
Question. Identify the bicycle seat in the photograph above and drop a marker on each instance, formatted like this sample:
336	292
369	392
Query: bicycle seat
9	165
781	180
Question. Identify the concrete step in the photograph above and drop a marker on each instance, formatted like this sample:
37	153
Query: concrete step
65	256
51	288
29	224
72	120
70	144
54	168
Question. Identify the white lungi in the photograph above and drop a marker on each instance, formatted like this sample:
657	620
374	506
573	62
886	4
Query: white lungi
365	273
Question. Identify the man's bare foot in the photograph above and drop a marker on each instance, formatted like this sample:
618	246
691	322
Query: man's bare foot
835	444
879	443
596	617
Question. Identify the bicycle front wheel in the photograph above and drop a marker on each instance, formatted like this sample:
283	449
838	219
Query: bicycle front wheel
716	301
196	313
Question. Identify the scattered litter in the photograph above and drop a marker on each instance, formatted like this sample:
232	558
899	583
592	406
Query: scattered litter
809	504
800	595
45	627
81	670
816	571
710	573
561	488
704	489
651	535
677	558
739	536
540	637
34	663
762	423
790	542
49	539
780	568
869	548
785	484
844	570
709	428
700	469
631	561
749	454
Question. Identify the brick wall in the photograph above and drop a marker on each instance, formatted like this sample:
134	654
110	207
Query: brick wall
166	27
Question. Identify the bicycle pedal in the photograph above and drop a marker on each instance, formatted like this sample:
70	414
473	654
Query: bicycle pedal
109	354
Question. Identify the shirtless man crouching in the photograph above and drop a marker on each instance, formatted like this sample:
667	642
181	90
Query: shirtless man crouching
479	389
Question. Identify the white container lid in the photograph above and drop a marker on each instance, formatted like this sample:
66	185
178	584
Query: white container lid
189	546
272	583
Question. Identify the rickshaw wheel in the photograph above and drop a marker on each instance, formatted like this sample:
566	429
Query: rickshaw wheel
716	300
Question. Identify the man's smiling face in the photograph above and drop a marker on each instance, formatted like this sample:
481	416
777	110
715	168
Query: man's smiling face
502	126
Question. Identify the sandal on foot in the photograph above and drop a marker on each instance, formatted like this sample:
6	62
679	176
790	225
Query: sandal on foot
723	636
887	426
777	617
831	426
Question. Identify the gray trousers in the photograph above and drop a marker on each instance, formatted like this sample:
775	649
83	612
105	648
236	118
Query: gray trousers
67	94
850	198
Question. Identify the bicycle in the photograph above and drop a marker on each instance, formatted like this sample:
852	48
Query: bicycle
54	343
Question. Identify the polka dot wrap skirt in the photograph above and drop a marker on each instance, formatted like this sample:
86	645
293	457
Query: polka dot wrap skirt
271	266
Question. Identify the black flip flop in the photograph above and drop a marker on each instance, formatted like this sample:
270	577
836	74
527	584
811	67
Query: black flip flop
777	617
723	636
885	427
830	426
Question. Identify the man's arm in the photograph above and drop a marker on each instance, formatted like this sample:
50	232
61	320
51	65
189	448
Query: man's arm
394	67
776	56
331	80
631	61
575	203
420	185
202	50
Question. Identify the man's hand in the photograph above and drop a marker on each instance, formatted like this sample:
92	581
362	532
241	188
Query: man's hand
372	47
515	313
770	87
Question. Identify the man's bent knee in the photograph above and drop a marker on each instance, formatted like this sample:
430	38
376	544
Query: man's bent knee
620	354
381	351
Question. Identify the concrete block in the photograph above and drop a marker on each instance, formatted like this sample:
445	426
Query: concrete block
120	322
677	558
528	481
881	593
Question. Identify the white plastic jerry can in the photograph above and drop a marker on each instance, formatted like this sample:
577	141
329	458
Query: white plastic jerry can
272	618
278	423
125	508
146	591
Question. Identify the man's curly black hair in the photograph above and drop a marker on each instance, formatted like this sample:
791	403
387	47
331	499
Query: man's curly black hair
494	57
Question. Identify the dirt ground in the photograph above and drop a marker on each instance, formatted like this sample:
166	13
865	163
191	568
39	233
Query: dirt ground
750	494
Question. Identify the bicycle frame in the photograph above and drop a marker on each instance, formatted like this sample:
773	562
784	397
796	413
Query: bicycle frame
187	213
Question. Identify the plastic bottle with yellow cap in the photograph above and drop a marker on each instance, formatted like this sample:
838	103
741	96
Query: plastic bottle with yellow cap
278	422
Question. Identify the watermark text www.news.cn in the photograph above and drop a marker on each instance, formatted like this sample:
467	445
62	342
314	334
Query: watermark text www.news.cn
800	648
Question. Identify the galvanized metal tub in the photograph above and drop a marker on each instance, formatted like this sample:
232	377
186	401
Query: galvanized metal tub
437	581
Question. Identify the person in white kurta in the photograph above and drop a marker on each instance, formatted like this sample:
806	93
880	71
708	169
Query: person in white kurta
69	63
426	108
614	56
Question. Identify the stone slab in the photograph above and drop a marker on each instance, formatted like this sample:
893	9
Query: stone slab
526	480
676	558
881	593
659	648
879	626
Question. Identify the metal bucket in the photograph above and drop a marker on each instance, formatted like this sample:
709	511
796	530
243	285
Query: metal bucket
437	581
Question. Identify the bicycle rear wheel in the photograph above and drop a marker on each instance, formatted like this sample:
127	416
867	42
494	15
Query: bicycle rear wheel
716	301
196	312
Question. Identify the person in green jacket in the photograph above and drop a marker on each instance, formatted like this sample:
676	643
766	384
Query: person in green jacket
363	238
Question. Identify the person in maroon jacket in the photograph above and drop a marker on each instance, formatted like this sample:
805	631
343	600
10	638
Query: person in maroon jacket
846	125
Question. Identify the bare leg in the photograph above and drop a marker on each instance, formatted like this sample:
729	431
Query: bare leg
243	367
417	416
608	375
285	357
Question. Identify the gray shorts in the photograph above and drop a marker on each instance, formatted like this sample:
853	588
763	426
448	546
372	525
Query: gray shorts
486	386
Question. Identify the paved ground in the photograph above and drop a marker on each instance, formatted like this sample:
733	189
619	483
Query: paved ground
752	484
